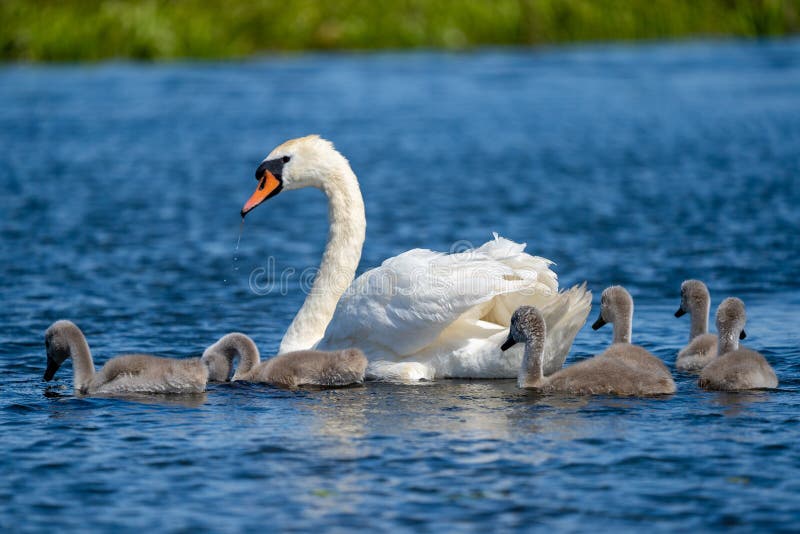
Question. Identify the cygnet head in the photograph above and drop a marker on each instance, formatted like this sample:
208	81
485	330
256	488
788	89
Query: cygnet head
731	317
219	356
694	298
57	343
527	325
303	162
615	304
220	366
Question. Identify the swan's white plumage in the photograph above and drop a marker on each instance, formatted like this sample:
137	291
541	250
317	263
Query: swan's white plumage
450	312
386	371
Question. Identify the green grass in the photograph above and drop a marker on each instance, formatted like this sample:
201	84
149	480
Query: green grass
154	29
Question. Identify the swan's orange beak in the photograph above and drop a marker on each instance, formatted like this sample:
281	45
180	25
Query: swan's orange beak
268	186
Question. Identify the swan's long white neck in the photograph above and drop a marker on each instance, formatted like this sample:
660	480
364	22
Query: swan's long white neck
700	320
348	225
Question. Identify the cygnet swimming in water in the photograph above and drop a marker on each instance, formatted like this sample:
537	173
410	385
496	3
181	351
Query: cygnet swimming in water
609	373
131	373
616	307
735	369
292	369
702	346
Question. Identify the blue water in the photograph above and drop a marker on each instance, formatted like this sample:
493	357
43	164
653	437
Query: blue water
120	189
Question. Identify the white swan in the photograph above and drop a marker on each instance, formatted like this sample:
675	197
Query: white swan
702	347
290	370
130	373
421	314
621	370
735	369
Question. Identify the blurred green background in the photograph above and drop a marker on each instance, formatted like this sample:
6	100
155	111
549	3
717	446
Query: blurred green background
91	30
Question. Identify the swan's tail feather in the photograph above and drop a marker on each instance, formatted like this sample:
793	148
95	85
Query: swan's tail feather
386	371
564	316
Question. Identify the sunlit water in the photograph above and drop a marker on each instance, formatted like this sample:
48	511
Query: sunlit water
120	191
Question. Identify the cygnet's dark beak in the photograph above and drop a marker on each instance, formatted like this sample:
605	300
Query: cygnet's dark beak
509	342
599	323
680	313
52	367
742	334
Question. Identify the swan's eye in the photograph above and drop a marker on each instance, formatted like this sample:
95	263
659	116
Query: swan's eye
285	159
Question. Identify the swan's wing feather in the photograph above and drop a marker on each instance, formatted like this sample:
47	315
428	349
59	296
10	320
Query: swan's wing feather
402	307
404	304
564	316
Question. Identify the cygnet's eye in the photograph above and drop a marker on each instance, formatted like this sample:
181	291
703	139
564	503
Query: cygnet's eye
286	159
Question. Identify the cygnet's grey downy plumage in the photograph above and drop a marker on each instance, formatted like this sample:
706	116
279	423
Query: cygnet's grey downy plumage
293	369
735	369
702	346
610	373
131	373
616	307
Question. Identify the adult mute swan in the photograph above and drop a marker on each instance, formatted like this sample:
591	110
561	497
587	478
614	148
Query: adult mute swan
421	314
290	370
